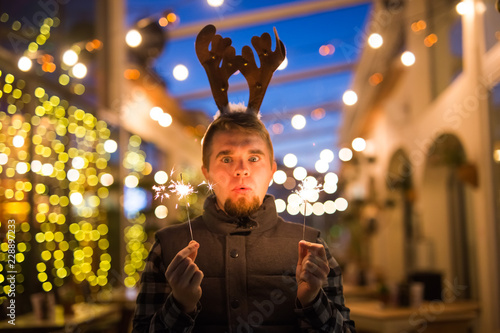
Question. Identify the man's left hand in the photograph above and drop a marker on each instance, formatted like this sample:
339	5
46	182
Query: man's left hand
312	271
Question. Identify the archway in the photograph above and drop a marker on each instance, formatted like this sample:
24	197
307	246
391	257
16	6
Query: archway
444	212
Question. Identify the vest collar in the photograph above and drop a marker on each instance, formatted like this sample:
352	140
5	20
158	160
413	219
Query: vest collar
219	222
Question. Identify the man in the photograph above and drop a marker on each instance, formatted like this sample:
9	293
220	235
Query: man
248	270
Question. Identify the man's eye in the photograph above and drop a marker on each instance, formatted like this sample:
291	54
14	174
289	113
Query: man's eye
254	159
226	159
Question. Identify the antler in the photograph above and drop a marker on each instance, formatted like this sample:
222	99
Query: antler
258	78
218	74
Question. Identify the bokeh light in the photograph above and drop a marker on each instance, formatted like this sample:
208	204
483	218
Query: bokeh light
298	121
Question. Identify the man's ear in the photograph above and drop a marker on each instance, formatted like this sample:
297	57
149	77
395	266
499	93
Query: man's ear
274	166
204	171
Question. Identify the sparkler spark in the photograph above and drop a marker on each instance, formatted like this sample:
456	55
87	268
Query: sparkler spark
308	191
209	185
183	190
160	192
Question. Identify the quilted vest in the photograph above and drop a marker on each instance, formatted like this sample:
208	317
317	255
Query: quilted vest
249	272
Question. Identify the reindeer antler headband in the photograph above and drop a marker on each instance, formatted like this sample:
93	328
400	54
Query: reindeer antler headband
221	62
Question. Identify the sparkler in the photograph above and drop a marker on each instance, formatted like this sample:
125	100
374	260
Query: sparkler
183	190
308	189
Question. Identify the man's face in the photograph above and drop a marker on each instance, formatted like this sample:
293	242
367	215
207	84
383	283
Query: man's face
240	170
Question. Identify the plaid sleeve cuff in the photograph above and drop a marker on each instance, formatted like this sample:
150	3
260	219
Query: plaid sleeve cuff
318	313
175	319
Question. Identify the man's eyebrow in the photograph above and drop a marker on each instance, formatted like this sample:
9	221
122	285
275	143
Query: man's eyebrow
256	151
229	152
223	152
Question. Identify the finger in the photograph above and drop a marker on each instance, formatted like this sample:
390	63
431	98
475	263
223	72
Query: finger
315	270
197	278
175	275
316	249
302	250
321	263
187	275
189	251
196	246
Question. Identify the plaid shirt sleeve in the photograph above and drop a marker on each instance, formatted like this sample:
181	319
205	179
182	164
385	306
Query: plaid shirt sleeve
328	312
156	309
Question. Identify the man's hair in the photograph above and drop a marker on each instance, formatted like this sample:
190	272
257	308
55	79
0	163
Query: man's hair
238	121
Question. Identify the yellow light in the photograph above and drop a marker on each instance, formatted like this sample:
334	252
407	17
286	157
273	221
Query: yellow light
359	144
180	72
46	255
76	198
290	160
279	177
161	212
79	71
215	3
103	229
321	166
47	286
42	276
345	154
131	181
24	63
47	169
18	141
299	173
3	159
465	7
326	155
375	41
408	58
155	113
350	97
298	121
329	207
22	168
41	267
70	57
110	146
341	204
161	177
133	38
78	162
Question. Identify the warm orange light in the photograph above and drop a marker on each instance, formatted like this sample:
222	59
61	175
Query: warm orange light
171	17
430	40
418	25
325	50
97	44
49	67
375	79
318	114
163	21
132	74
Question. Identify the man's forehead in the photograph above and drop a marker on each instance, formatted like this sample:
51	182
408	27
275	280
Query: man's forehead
238	139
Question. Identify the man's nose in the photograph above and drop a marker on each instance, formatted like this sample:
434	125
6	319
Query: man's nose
242	170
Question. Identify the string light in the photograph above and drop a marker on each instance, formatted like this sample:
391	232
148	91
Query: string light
180	72
349	98
133	38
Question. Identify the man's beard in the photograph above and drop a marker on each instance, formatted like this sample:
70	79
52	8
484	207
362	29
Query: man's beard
241	207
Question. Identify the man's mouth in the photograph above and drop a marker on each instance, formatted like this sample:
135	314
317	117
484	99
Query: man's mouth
242	189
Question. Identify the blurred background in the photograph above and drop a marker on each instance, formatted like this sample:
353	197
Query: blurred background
390	107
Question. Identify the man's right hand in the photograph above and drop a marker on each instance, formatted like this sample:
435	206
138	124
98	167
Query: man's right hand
185	277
